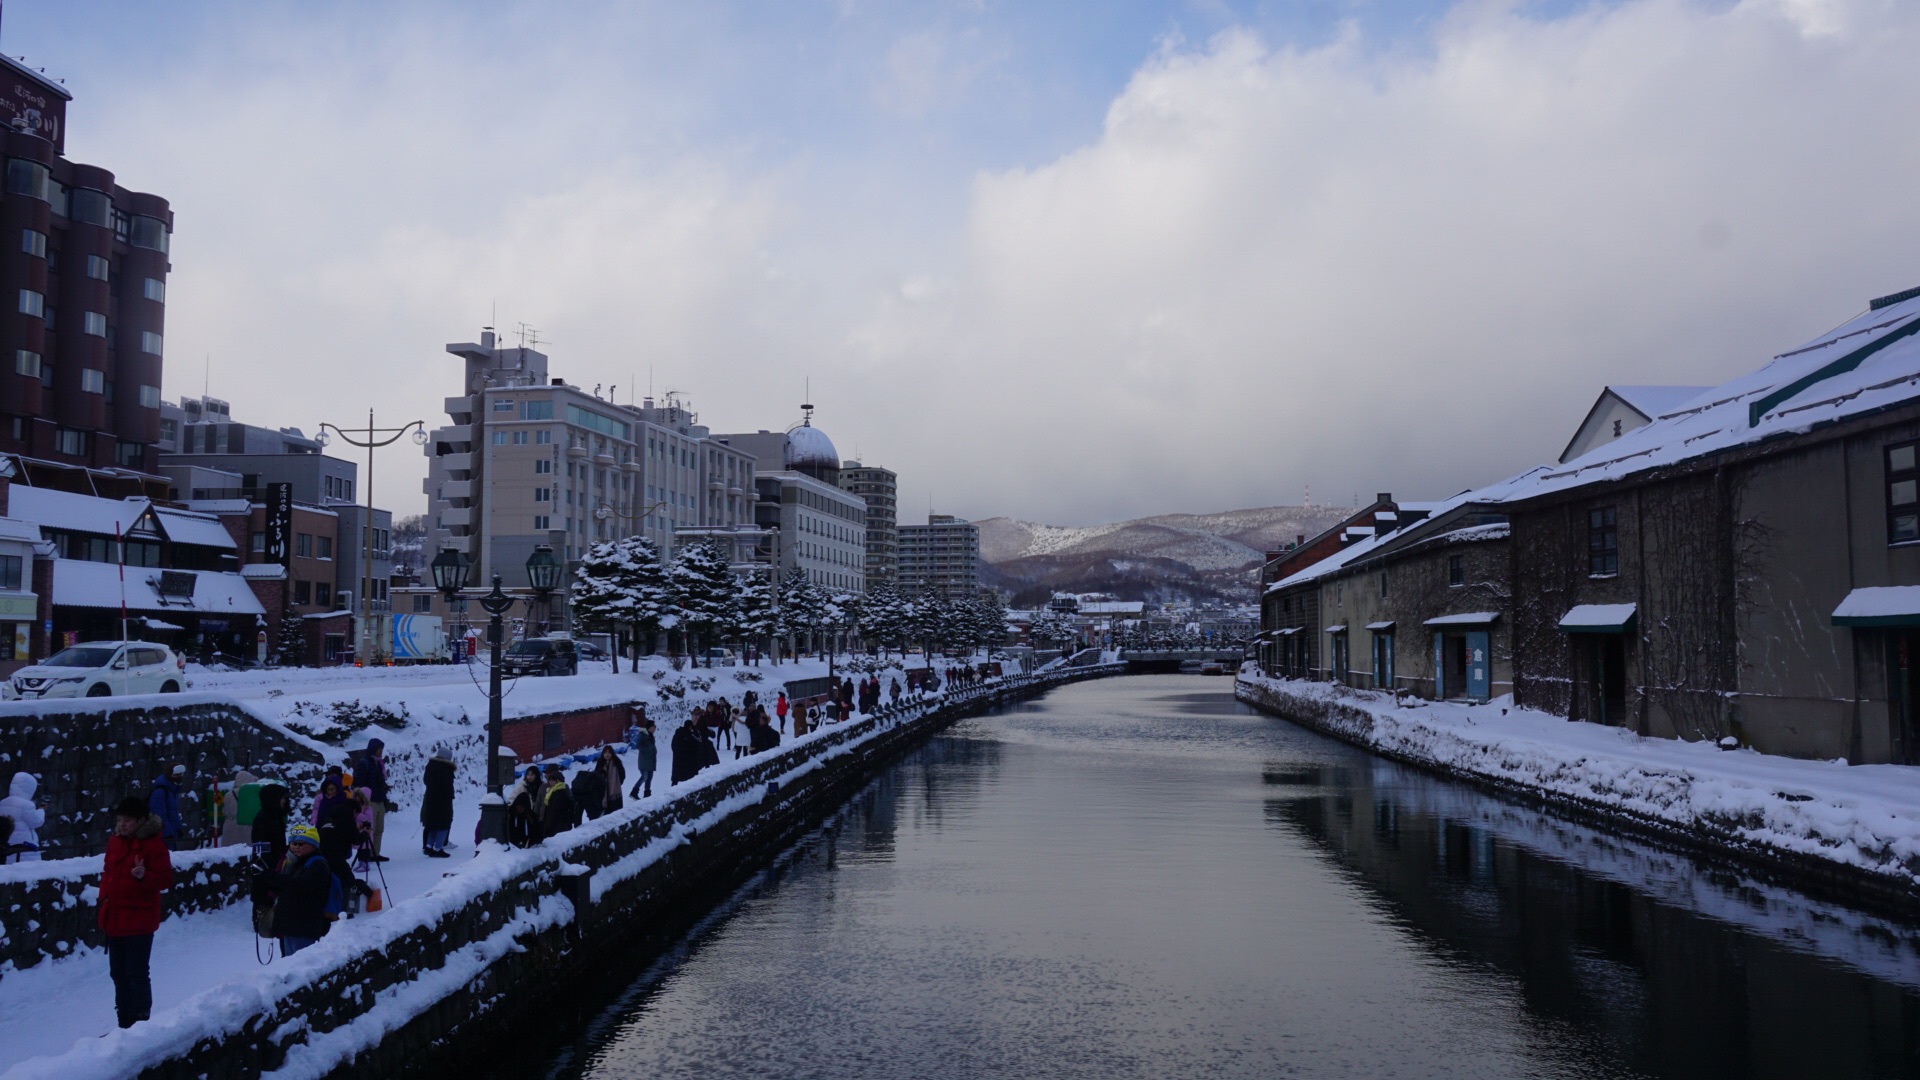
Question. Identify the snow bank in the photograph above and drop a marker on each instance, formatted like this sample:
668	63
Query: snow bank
1865	817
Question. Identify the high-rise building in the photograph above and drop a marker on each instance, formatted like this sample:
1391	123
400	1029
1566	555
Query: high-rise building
83	290
532	460
940	558
881	490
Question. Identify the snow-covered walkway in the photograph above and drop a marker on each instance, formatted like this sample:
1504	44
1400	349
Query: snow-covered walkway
1862	816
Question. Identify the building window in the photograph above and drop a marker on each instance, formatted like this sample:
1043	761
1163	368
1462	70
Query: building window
150	342
1903	494
1603	541
322	593
97	268
92	381
1383	583
503	405
155	290
28	178
94	323
303	545
150	397
257	543
543	466
542	494
33	242
26	363
541	522
422	603
149	233
544	438
10	569
1456	570
323	547
303	592
32	303
499	438
537	410
519	438
71	443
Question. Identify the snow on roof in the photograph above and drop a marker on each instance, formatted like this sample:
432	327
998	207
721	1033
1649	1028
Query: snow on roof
16	529
98	585
1870	362
53	509
1113	607
1337	628
1656	401
1360	548
1870	605
202	530
1470	618
1597	617
1387	625
220	506
1493	530
266	572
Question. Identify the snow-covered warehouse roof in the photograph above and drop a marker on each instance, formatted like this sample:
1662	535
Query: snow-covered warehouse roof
1869	362
98	585
53	509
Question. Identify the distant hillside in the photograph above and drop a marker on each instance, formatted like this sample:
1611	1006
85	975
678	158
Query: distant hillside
1201	557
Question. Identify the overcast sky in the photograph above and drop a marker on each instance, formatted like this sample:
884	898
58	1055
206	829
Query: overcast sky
1071	262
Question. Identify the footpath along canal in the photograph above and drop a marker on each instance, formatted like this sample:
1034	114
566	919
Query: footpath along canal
1142	877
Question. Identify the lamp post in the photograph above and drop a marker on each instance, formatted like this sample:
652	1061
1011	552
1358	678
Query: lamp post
372	442
449	576
543	574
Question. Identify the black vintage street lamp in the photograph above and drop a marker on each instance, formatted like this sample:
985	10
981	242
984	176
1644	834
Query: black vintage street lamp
449	576
543	574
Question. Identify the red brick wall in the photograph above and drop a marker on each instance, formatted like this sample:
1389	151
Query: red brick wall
582	729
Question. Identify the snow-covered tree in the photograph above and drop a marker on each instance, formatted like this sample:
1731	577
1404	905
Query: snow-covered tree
754	613
703	586
883	617
621	586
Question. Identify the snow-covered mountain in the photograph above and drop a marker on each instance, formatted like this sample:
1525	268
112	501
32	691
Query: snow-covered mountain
1195	556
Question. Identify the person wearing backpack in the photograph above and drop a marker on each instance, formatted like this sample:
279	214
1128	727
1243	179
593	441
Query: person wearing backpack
133	874
307	895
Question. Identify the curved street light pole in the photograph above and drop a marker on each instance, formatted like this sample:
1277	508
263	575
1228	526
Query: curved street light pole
372	442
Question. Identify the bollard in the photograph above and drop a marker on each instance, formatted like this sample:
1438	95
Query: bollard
576	884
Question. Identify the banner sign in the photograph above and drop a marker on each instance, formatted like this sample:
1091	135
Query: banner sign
280	523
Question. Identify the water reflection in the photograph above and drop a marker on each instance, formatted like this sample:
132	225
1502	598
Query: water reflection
1141	878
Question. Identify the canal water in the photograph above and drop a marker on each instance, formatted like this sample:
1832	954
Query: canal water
1142	878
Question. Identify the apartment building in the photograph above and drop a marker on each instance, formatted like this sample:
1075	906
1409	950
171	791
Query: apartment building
940	558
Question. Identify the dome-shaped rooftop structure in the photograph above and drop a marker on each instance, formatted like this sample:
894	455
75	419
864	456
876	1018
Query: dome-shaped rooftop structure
808	448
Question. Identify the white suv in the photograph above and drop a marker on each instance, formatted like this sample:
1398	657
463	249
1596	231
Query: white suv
100	669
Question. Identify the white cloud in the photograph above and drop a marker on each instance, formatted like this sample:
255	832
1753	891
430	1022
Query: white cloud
1409	272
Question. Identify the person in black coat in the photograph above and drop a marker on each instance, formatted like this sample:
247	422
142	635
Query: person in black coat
299	888
613	779
436	806
339	835
761	736
269	834
525	808
689	752
589	793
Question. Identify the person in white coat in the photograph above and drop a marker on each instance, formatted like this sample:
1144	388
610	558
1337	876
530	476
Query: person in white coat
27	818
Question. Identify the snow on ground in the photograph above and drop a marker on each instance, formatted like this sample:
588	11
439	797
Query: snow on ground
1865	816
46	1008
206	967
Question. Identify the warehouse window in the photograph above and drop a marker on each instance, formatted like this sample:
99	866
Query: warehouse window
1903	494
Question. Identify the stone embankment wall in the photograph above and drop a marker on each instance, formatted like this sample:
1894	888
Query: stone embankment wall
89	757
1712	842
434	985
48	910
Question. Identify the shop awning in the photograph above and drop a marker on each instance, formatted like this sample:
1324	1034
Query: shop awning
1471	618
1598	619
1381	627
1337	628
1885	605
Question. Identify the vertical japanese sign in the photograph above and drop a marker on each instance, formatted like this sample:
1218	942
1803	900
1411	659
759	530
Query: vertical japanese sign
280	523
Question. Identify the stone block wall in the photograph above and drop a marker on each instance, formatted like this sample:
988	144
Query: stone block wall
49	910
89	758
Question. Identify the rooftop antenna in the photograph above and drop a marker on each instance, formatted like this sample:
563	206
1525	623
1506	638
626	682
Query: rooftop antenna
1309	503
806	408
206	377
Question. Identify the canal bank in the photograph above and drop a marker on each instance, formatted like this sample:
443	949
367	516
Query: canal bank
433	984
1144	878
1851	833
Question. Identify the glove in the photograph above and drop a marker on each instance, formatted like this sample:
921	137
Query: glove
392	807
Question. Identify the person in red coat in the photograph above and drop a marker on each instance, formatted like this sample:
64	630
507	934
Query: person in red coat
137	871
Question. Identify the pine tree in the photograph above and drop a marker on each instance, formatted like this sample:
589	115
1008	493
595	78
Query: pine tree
290	649
802	605
754	613
703	585
882	616
620	584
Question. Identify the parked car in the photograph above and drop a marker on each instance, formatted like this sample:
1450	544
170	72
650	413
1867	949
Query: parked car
721	658
541	656
589	651
101	669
